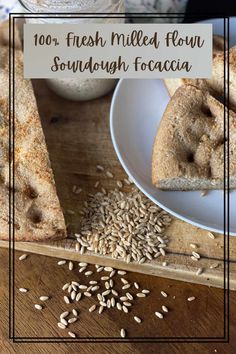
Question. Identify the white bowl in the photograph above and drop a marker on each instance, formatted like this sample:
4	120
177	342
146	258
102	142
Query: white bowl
136	110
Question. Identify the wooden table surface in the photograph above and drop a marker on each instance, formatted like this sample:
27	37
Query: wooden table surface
78	138
42	275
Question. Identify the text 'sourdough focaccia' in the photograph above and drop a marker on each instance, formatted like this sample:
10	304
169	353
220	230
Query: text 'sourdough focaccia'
38	215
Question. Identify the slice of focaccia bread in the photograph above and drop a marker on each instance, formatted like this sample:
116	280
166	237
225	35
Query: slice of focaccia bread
216	82
218	44
188	152
4	35
173	84
205	84
38	215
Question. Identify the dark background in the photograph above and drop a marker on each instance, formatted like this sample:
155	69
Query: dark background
212	8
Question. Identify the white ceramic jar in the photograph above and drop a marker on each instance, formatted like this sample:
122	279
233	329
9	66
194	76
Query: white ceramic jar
77	88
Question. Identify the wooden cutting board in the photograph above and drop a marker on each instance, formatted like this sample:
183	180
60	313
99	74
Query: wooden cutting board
78	139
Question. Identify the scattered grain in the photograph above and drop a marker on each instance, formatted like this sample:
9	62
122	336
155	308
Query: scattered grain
199	271
66	299
113	302
196	255
78	190
61	325
214	265
114	292
70	288
109	174
108	217
72	320
100	269
78	297
82	269
137	319
71	334
83	287
113	272
95	288
38	307
191	298
119	184
163	252
127	181
159	314
66	286
64	321
123	298
64	314
119	306
164	294
88	294
106	292
100	168
211	235
75	312
107	285
140	295
194	258
23	257
129	296
96	184
193	245
122	333
92	308
164	308
101	308
108	269
125	309
93	282
73	295
71	265
23	290
126	286
44	298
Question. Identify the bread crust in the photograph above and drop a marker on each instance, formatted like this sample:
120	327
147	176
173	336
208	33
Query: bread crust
215	85
4	36
216	82
38	215
189	144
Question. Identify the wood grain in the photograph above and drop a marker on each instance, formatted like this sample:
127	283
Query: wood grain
78	138
69	128
179	265
42	275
